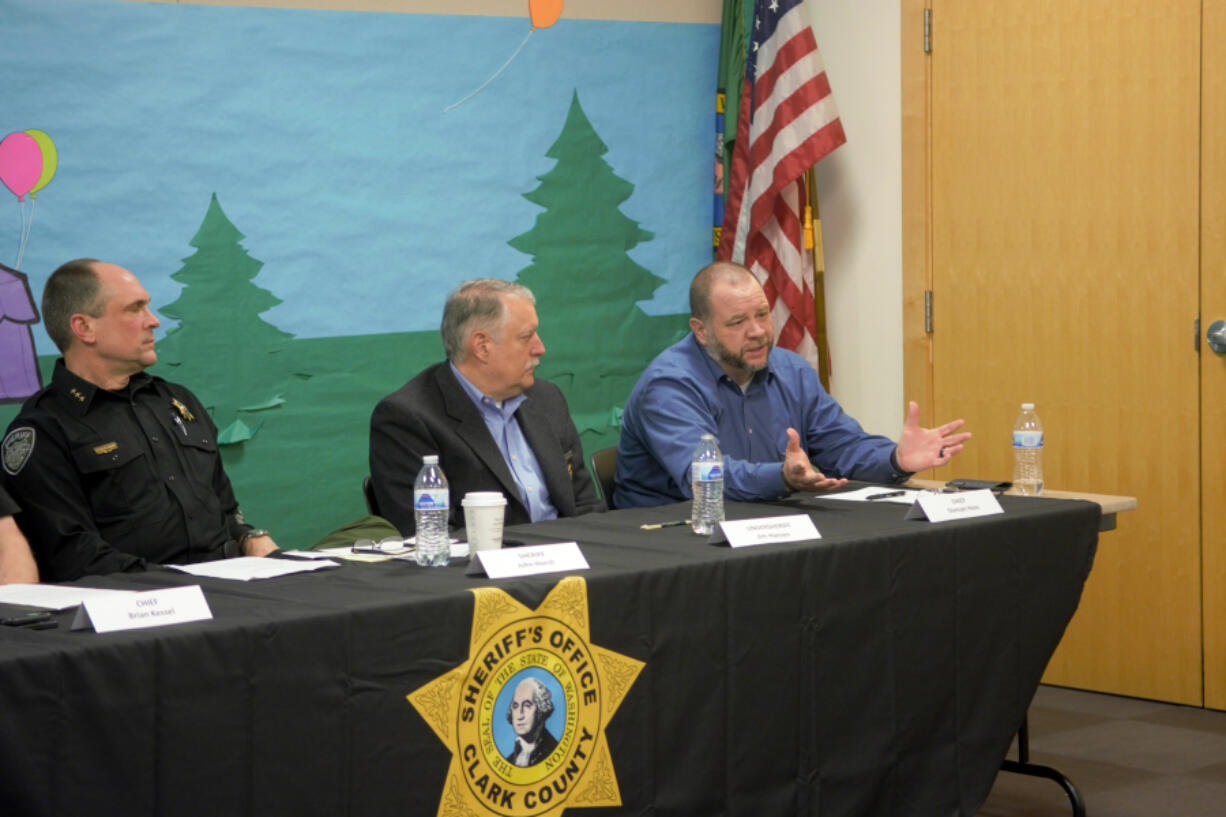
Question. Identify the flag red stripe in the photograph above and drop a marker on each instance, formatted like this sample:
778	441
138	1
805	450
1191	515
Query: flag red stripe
791	53
799	302
793	166
763	135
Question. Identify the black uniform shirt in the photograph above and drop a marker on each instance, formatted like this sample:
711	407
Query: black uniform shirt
7	506
110	480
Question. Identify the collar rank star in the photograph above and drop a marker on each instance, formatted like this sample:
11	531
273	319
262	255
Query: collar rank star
182	409
525	717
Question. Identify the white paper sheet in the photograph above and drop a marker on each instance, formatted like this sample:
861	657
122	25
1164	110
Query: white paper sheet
906	497
246	568
53	596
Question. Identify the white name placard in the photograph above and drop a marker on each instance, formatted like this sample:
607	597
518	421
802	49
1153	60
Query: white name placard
769	529
962	505
527	561
135	611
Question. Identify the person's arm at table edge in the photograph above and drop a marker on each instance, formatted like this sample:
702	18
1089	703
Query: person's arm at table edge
17	565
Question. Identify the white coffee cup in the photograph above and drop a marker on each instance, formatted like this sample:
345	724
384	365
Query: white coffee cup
483	516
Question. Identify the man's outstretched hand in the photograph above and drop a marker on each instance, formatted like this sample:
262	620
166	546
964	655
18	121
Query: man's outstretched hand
921	448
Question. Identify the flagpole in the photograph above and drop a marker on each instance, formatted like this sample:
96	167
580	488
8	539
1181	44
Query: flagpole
813	241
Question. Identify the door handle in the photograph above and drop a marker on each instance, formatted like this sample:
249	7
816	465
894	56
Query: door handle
1217	337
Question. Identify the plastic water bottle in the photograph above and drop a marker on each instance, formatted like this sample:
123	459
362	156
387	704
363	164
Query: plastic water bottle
430	499
1028	452
707	480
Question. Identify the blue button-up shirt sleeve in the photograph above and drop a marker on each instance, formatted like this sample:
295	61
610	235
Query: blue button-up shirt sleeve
836	443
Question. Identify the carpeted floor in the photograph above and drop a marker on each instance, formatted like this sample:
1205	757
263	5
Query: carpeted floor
1128	757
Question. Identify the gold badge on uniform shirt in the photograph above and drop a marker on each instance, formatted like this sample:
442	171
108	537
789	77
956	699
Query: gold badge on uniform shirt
182	409
105	448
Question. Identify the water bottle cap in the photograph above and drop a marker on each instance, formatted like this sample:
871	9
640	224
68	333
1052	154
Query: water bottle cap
1027	406
430	459
708	437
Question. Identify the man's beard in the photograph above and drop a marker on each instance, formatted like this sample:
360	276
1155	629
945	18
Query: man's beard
736	360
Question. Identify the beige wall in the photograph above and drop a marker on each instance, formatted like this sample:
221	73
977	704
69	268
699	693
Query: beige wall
860	189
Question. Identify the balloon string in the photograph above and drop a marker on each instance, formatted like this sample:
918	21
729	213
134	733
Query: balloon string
21	212
496	73
25	231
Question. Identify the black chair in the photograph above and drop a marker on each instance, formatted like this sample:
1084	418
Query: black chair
604	465
368	491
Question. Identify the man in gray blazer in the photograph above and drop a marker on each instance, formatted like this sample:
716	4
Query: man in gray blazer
494	426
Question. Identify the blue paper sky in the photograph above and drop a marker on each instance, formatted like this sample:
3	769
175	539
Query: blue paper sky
325	138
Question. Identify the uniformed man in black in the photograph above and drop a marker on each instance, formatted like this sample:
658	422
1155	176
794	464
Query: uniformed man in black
115	469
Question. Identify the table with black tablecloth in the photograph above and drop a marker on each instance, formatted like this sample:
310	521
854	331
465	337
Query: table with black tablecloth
880	670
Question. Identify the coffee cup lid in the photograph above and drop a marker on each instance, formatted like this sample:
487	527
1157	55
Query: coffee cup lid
484	498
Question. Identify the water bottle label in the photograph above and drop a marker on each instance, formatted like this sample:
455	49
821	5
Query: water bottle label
430	500
1028	439
709	471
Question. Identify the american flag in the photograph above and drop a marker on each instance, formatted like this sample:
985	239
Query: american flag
787	122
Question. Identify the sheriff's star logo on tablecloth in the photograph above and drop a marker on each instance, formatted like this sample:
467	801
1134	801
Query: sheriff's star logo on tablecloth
525	716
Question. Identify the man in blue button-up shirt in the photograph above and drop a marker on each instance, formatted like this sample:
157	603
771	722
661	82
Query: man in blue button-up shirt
778	429
494	425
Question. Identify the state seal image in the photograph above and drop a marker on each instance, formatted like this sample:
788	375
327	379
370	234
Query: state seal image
528	711
524	717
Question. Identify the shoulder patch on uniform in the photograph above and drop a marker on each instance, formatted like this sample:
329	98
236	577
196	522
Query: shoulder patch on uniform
16	449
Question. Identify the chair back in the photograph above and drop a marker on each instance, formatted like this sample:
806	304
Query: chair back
368	491
604	466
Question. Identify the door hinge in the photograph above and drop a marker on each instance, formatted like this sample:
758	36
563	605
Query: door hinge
927	31
1196	335
927	311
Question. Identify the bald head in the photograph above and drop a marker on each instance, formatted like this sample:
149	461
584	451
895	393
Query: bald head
719	272
73	288
98	315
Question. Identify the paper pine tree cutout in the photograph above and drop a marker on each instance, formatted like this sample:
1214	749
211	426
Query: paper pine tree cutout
222	348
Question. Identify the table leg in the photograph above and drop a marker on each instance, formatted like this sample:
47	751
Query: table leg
1023	766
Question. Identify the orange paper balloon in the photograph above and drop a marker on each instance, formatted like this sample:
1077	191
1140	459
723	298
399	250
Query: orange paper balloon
544	12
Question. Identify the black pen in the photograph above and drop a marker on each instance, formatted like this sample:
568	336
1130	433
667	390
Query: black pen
886	495
658	525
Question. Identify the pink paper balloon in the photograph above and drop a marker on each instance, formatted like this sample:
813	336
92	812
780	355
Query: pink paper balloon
21	163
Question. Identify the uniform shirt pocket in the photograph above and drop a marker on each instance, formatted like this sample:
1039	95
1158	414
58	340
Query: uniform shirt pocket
116	477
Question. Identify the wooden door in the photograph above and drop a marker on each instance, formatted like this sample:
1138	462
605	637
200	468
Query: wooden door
1213	366
1064	229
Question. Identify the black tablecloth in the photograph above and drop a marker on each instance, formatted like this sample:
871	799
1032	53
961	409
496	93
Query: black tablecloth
879	671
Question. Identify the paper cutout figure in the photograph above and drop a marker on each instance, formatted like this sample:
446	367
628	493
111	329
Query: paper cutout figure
19	374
